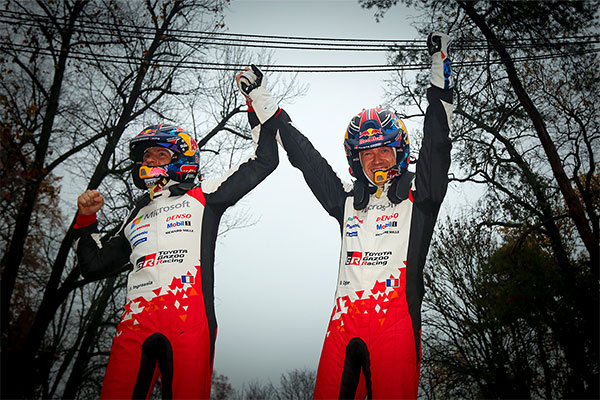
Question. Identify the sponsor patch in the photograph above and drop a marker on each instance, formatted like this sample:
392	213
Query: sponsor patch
353	258
140	240
136	221
390	224
368	258
177	224
145	261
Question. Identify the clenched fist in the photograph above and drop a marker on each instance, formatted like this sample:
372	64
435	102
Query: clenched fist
89	202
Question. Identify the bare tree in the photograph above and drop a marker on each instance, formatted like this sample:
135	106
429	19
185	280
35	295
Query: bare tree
297	384
488	336
76	76
220	389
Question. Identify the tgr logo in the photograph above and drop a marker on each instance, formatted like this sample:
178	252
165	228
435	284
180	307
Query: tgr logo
145	261
353	257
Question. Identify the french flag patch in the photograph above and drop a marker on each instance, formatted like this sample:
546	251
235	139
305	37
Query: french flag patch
392	282
189	279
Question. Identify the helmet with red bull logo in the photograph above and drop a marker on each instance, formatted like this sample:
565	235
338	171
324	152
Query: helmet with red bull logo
372	128
185	160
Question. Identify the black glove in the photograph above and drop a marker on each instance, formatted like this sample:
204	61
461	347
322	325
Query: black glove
251	84
250	80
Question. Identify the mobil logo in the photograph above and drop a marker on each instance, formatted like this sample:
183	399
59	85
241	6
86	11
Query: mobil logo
383	218
179	216
389	224
176	224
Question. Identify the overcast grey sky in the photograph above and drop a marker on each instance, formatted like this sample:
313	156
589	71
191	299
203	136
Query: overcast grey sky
275	281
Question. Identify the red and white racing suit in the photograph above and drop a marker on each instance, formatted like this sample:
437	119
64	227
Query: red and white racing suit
372	346
169	324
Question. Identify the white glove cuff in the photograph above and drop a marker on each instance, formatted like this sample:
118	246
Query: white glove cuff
264	105
437	71
441	75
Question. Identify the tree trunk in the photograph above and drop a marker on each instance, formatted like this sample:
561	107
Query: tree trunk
576	210
581	379
25	360
13	257
83	355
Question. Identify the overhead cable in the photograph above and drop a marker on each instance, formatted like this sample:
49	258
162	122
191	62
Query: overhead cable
126	31
200	65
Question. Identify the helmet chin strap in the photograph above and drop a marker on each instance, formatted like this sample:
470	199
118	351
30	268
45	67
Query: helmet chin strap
157	187
380	177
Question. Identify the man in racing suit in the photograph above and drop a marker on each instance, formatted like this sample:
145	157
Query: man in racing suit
169	325
372	346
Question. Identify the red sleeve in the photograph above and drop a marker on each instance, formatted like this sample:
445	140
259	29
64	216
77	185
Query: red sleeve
84	220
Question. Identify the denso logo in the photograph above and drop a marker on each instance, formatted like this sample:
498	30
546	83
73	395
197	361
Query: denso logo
384	218
179	216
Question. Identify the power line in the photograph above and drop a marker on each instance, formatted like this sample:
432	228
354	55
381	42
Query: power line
216	39
198	65
299	43
86	23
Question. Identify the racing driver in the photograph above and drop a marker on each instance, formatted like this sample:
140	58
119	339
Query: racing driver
169	325
372	346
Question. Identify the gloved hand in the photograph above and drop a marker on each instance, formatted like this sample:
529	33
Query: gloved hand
441	71
251	84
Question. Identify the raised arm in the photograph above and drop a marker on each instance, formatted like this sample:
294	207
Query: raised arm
434	156
238	181
320	177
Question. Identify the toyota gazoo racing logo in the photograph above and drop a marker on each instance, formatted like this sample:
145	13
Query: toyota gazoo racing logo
162	257
368	258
